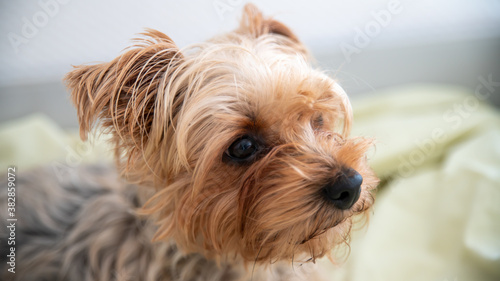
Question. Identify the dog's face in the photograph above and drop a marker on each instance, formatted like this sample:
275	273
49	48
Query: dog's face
246	145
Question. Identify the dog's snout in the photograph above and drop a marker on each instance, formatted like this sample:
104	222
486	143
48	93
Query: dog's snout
345	190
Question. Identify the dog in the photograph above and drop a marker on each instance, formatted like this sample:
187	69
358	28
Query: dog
233	162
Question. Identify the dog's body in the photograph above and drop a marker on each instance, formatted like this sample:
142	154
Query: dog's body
235	167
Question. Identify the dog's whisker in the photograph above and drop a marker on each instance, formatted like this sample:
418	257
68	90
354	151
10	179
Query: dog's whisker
255	263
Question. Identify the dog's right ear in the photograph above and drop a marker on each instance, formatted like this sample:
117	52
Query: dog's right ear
133	97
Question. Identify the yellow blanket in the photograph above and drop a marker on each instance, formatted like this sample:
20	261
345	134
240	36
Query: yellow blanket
437	214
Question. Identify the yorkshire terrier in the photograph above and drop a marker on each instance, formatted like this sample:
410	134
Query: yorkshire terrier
237	159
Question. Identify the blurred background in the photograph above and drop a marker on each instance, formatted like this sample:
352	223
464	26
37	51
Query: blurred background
424	78
367	45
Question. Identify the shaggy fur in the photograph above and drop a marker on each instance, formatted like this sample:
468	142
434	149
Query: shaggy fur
199	214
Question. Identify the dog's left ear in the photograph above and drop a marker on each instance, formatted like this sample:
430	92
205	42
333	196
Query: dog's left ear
255	24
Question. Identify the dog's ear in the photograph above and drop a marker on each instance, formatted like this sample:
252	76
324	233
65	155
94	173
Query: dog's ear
255	24
133	96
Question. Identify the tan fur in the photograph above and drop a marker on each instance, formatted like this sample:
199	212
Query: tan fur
173	113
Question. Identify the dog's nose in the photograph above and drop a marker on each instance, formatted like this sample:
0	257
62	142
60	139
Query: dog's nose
345	190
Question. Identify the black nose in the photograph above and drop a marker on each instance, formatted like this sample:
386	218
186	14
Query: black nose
345	190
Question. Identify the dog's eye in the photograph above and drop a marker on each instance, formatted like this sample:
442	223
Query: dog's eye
242	149
317	122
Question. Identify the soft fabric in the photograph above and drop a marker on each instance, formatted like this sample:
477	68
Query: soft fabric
437	213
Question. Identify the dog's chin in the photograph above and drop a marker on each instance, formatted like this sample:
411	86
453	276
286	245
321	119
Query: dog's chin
310	245
335	234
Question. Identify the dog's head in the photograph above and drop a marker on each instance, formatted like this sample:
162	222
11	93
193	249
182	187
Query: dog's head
246	145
